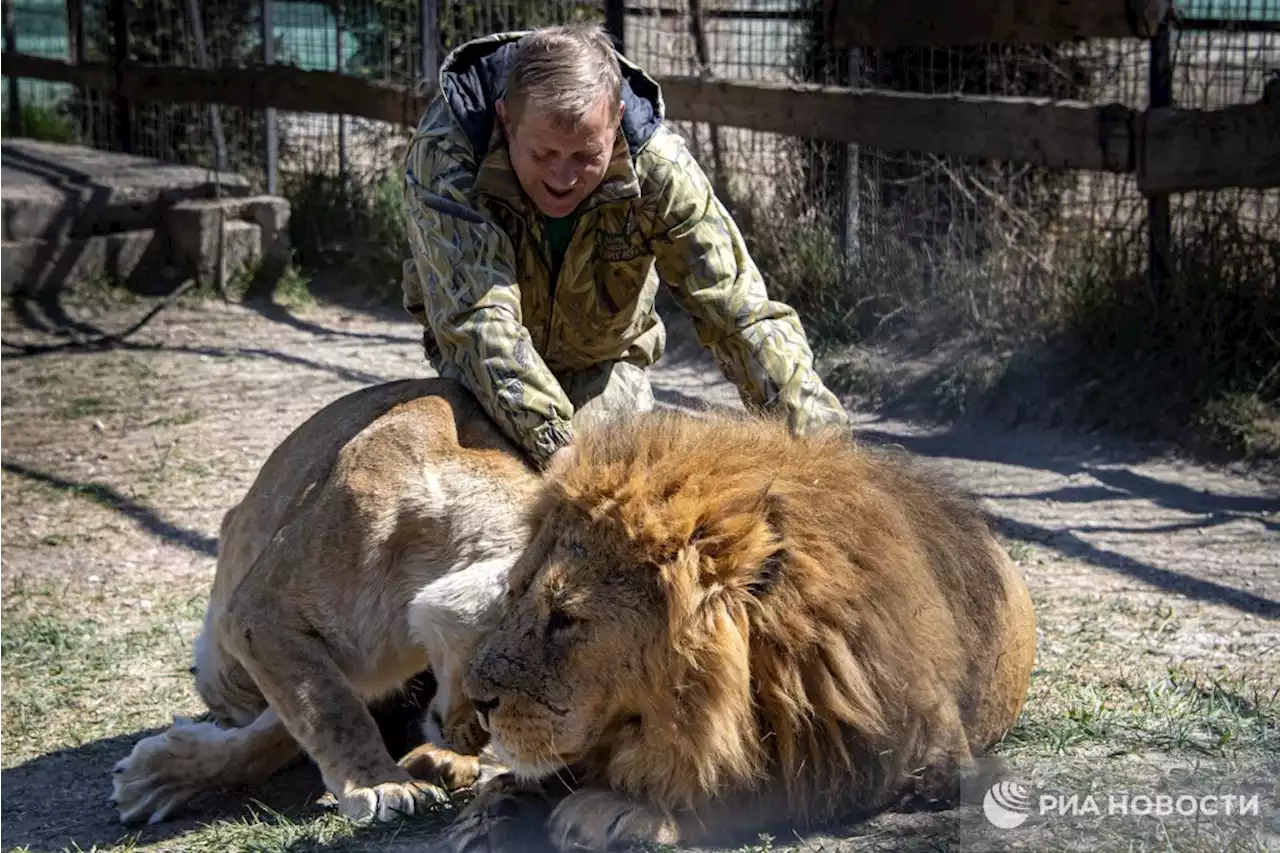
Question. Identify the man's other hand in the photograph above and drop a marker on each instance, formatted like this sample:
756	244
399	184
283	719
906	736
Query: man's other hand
559	462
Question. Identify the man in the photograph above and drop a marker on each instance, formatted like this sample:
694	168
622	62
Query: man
546	200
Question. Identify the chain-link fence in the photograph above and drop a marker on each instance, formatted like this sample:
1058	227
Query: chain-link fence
912	229
842	228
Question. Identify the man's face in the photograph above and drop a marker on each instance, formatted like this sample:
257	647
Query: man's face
558	167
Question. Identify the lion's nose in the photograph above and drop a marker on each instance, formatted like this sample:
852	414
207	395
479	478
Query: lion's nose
484	707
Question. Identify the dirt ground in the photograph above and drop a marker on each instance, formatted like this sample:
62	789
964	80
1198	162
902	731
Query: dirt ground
118	464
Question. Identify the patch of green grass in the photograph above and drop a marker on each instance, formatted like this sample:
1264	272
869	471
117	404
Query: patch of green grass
1179	712
185	415
83	407
42	123
293	289
52	669
1019	551
355	227
74	661
271	831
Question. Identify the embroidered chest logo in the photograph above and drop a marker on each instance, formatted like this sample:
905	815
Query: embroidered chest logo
626	244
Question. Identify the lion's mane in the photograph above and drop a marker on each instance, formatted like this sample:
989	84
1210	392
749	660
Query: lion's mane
832	609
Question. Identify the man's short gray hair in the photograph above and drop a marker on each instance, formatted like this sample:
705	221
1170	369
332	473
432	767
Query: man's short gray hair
564	70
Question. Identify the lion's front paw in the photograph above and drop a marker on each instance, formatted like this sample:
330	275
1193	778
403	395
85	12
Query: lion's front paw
166	770
500	818
390	800
600	820
451	771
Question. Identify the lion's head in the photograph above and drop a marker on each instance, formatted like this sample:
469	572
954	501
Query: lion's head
228	691
708	602
627	619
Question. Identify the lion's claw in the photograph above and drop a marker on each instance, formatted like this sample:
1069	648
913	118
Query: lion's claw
390	800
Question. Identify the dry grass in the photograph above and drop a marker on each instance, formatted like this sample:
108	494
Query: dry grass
118	465
1030	310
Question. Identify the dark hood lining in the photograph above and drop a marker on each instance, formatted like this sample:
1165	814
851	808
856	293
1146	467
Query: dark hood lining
476	78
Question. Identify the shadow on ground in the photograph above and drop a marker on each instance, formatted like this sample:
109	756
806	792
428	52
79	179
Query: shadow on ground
109	496
1040	451
60	800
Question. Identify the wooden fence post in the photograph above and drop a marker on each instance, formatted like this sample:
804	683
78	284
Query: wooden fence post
615	21
196	22
271	166
702	54
1159	218
429	41
851	200
76	54
120	48
11	44
339	30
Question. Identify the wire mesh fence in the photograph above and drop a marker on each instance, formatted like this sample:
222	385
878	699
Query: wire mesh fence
909	225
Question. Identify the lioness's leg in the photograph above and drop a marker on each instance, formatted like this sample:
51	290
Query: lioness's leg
329	719
166	770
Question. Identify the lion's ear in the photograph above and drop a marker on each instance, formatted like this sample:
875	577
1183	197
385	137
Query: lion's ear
535	552
774	510
747	535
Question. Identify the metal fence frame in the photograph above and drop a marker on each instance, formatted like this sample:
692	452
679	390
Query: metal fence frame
424	21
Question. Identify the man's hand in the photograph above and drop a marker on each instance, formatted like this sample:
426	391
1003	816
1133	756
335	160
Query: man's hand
559	462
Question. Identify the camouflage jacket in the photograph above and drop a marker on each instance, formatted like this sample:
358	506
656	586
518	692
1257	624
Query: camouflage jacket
480	279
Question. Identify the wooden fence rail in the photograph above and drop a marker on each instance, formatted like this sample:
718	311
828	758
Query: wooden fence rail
948	23
1170	149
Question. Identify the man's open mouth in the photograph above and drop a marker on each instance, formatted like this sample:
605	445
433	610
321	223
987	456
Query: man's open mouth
560	194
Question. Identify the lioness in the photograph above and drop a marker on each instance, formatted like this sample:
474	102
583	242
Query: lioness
718	627
369	547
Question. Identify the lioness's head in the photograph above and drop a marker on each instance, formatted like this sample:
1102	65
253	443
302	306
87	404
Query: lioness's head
626	619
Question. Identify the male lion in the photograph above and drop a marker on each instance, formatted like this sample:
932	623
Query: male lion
370	547
717	627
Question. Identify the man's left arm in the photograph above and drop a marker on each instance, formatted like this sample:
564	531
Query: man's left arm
758	342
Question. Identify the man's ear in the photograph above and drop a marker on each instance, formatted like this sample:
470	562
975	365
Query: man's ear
501	107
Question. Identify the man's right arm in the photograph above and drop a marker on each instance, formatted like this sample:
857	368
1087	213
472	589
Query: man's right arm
471	300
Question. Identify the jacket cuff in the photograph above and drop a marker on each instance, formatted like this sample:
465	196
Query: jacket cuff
549	438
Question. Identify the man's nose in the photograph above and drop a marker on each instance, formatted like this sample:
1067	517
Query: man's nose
564	175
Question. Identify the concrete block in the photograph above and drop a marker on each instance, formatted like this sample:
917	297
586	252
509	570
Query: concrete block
32	213
136	258
193	232
17	260
94	192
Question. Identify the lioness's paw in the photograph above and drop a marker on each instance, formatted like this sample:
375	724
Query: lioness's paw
390	800
499	819
166	770
600	820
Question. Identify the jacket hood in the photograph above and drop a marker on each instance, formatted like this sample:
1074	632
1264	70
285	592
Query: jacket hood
473	77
